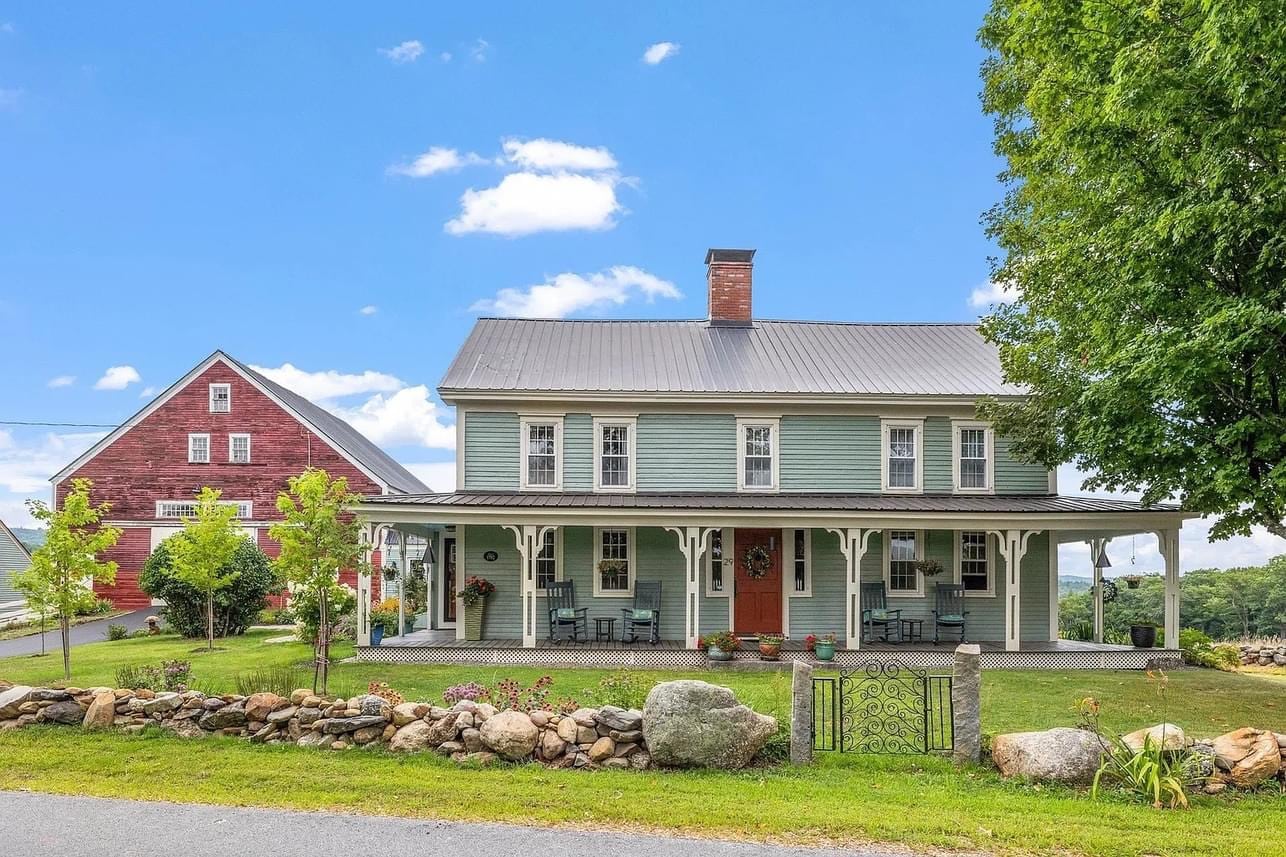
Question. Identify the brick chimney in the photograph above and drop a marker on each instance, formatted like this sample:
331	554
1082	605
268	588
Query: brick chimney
728	273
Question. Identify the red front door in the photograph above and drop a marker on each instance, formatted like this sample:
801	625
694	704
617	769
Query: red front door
757	607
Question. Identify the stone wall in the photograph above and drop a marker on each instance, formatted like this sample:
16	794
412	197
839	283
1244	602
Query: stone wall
1263	654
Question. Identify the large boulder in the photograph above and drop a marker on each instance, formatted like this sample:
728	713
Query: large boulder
411	738
11	699
1167	736
260	705
1250	756
511	734
697	724
1062	755
443	729
229	716
68	713
102	711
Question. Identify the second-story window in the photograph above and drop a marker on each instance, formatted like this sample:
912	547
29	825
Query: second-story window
541	450
220	398
902	463
239	448
973	457
198	449
757	454
614	454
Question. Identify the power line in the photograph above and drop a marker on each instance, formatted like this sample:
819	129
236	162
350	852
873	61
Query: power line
57	425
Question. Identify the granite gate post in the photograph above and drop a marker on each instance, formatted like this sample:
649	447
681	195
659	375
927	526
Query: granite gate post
966	703
801	714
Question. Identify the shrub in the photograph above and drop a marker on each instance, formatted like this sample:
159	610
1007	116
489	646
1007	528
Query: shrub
280	616
100	607
777	748
117	631
342	602
1199	650
235	607
168	675
385	613
622	688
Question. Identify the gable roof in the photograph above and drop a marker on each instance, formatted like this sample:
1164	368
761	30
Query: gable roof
343	438
694	357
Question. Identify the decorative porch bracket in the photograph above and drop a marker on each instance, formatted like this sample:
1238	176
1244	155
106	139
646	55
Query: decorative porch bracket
1168	544
693	543
1013	547
1097	546
853	543
529	538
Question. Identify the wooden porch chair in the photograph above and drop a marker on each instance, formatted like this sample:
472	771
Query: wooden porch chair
563	612
876	613
646	613
949	612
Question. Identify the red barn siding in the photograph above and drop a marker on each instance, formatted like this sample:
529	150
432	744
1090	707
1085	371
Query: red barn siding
129	553
149	462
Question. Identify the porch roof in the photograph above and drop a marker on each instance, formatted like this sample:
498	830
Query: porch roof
1044	511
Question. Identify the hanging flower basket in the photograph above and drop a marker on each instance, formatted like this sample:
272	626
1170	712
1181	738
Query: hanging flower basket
756	560
1132	581
1109	591
929	567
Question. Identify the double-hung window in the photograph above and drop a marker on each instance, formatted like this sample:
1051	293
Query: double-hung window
975	563
797	542
614	562
547	560
220	398
198	449
902	461
614	454
717	584
239	448
542	447
757	454
972	451
902	549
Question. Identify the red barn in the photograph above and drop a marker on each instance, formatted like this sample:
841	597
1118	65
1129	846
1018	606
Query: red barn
226	426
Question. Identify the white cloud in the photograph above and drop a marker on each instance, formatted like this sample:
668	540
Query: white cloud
991	293
437	159
567	293
26	464
117	378
438	475
480	50
330	384
660	52
369	309
524	203
542	154
9	98
445	56
408	51
147	392
61	381
407	417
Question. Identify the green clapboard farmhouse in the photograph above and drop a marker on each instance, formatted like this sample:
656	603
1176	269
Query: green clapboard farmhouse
631	486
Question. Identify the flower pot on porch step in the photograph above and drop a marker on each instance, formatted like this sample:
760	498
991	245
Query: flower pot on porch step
715	653
1143	636
473	619
377	634
824	651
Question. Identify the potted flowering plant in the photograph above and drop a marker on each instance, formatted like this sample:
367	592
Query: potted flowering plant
825	647
383	619
929	567
769	646
810	642
720	645
474	595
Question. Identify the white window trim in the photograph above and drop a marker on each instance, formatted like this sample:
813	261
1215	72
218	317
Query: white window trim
918	592
245	509
249	453
958	575
957	426
729	538
224	386
918	425
631	550
631	424
788	574
208	456
524	423
773	423
560	573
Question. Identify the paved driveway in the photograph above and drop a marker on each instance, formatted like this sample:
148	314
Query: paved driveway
37	824
89	632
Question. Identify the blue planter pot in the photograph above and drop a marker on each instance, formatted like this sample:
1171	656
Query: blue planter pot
824	651
377	634
714	653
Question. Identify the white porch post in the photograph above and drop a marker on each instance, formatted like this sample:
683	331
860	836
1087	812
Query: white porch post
372	536
1168	543
693	542
401	583
529	538
853	542
1013	546
1097	546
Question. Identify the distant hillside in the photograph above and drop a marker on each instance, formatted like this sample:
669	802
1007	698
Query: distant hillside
1069	584
30	537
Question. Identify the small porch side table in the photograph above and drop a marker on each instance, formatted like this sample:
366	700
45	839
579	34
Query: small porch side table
911	630
604	628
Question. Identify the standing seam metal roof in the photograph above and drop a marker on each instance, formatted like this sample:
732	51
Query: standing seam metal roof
775	357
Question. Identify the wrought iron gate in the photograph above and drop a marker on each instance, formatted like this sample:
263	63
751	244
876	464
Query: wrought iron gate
883	707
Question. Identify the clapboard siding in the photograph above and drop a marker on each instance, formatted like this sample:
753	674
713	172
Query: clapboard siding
830	453
13	559
1016	477
687	452
823	611
491	448
503	616
938	477
578	452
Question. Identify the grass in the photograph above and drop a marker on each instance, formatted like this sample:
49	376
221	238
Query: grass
850	799
26	629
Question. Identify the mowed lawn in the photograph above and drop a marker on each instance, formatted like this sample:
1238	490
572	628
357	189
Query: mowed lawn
917	801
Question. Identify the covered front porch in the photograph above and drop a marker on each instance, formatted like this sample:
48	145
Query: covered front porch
830	560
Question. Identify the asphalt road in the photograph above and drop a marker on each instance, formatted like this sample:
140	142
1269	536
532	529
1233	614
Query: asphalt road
89	632
38	824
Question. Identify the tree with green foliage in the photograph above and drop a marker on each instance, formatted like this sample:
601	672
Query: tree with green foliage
65	568
236	606
38	592
202	559
319	536
1144	238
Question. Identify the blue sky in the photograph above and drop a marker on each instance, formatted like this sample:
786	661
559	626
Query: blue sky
345	191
